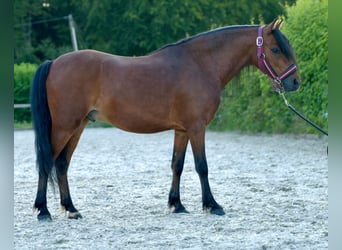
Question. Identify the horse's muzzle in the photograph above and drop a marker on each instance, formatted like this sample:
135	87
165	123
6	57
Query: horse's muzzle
291	84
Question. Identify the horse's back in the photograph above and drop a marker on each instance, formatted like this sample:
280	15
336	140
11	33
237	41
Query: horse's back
89	66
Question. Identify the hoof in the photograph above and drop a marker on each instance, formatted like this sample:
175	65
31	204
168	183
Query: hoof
217	211
74	215
178	209
44	217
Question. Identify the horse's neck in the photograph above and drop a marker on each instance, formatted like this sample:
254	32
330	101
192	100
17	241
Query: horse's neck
229	52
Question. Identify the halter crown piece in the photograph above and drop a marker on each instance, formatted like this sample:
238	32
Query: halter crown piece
266	68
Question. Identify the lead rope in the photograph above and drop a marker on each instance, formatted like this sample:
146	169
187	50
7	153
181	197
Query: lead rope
300	115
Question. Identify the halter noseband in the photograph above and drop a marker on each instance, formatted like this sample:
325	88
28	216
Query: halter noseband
267	69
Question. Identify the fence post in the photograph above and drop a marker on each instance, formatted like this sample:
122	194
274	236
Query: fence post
73	32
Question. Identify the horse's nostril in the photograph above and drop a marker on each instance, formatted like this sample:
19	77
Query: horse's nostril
295	82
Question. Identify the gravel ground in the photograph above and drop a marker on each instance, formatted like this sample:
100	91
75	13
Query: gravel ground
274	189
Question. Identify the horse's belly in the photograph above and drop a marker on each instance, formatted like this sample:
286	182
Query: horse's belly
137	122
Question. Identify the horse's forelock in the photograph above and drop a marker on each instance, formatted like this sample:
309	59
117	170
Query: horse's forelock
284	44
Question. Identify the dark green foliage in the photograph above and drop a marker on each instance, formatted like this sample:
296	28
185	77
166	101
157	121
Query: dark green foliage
126	27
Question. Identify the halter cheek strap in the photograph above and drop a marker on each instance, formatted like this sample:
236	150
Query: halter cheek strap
260	51
266	68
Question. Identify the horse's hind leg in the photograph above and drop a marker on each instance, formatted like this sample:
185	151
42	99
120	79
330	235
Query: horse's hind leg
179	149
40	202
62	163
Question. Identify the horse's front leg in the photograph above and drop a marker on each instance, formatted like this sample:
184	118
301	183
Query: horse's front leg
179	148
198	148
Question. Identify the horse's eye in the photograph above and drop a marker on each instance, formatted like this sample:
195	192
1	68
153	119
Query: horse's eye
275	51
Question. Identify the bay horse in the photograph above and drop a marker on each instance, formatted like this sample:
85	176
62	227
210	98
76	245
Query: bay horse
176	87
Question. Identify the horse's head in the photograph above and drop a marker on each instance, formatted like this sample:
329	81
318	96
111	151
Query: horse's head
276	58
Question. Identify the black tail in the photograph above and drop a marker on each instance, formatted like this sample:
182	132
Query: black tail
41	118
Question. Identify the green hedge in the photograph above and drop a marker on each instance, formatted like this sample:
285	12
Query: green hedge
309	19
250	104
23	74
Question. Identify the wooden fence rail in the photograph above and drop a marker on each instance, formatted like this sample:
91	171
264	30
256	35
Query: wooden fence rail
22	106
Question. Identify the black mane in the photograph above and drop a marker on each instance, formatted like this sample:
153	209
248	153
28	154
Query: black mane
280	37
188	39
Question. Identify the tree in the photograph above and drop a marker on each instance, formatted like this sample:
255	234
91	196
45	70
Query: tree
127	27
40	32
138	27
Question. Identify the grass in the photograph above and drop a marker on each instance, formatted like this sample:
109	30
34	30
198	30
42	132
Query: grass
23	125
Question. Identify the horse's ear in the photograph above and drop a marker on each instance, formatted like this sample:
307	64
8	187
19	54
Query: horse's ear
275	24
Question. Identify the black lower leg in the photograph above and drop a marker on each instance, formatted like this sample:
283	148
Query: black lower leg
178	157
40	203
174	196
61	170
208	200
